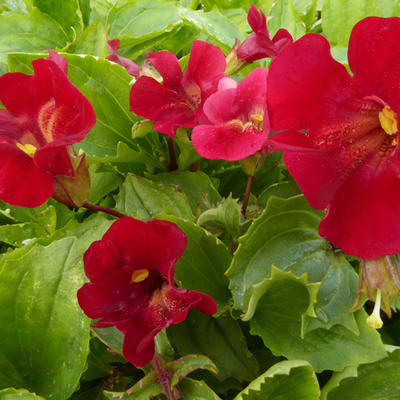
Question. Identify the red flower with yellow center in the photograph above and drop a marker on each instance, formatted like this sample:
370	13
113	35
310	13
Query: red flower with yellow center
178	100
349	158
44	114
131	272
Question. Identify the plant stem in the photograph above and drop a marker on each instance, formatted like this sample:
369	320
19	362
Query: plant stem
163	376
172	166
95	207
247	194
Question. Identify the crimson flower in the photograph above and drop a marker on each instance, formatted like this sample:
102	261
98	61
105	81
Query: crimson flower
131	67
349	159
44	114
239	120
131	272
178	100
259	45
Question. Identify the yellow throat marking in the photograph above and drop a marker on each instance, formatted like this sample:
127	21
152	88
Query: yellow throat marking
139	275
27	148
388	120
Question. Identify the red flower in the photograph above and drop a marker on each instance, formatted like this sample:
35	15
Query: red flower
239	118
131	67
349	160
132	284
178	100
258	45
45	113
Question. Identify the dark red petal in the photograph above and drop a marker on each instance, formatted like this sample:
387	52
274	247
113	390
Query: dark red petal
227	142
11	128
305	85
375	64
315	171
149	99
168	66
102	261
364	217
153	244
205	68
135	333
97	300
55	160
22	183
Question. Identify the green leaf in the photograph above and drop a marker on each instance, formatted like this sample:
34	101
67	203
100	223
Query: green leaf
221	339
214	24
187	153
143	199
278	320
377	381
227	214
111	337
93	41
136	22
107	86
18	394
203	263
284	189
67	13
45	335
339	16
197	186
294	380
29	33
286	235
196	390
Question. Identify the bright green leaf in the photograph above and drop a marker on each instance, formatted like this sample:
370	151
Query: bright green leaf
196	390
339	16
143	199
221	339
294	380
18	394
45	335
93	41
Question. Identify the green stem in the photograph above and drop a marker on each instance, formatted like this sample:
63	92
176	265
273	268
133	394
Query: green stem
95	207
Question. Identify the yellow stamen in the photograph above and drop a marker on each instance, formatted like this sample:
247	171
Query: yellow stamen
258	120
27	148
388	120
374	319
139	275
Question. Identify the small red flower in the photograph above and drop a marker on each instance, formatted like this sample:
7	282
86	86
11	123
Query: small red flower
131	272
349	160
44	114
259	45
131	67
178	100
239	118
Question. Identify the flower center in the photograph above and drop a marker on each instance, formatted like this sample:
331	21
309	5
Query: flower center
258	120
139	275
388	120
27	148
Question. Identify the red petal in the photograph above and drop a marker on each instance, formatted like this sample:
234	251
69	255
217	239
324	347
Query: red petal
102	261
305	85
375	64
205	68
219	107
55	160
227	142
149	99
59	60
135	333
22	183
364	217
168	66
257	21
315	171
153	244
